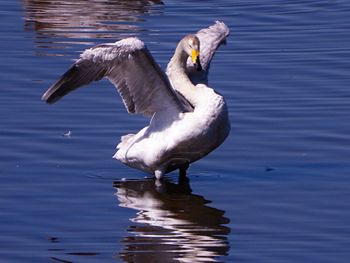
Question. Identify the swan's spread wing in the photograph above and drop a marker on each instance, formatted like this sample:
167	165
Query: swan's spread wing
128	64
210	39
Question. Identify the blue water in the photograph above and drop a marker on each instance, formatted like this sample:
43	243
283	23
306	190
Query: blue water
277	190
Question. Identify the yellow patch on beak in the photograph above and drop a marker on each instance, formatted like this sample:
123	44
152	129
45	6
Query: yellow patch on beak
194	55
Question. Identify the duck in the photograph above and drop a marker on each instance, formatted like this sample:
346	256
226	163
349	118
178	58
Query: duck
188	119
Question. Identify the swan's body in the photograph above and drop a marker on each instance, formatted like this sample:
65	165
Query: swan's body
188	121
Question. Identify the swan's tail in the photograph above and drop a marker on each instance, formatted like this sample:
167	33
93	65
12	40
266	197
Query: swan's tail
123	146
125	141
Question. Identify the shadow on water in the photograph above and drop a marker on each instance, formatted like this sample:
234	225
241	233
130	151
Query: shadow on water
56	21
171	224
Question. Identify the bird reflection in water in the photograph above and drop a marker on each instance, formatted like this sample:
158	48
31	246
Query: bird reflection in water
58	23
172	224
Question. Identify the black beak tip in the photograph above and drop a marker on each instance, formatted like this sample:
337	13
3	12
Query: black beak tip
198	65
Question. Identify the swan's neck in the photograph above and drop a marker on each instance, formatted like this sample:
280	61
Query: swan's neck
176	71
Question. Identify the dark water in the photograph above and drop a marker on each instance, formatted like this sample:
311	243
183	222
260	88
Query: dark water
278	190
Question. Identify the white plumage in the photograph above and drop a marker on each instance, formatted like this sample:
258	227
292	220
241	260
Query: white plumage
188	119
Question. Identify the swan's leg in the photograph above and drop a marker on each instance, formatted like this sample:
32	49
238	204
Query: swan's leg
158	174
183	171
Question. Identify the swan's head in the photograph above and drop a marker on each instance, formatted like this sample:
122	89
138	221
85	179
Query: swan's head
191	46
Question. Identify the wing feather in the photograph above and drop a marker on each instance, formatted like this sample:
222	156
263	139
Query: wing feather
210	40
142	84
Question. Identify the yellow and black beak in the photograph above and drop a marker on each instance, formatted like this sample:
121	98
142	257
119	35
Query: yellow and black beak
195	59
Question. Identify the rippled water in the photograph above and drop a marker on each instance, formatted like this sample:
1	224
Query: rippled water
278	190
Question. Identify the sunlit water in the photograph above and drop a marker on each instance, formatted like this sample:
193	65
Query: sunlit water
278	189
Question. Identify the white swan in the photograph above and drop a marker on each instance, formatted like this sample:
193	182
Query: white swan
188	121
